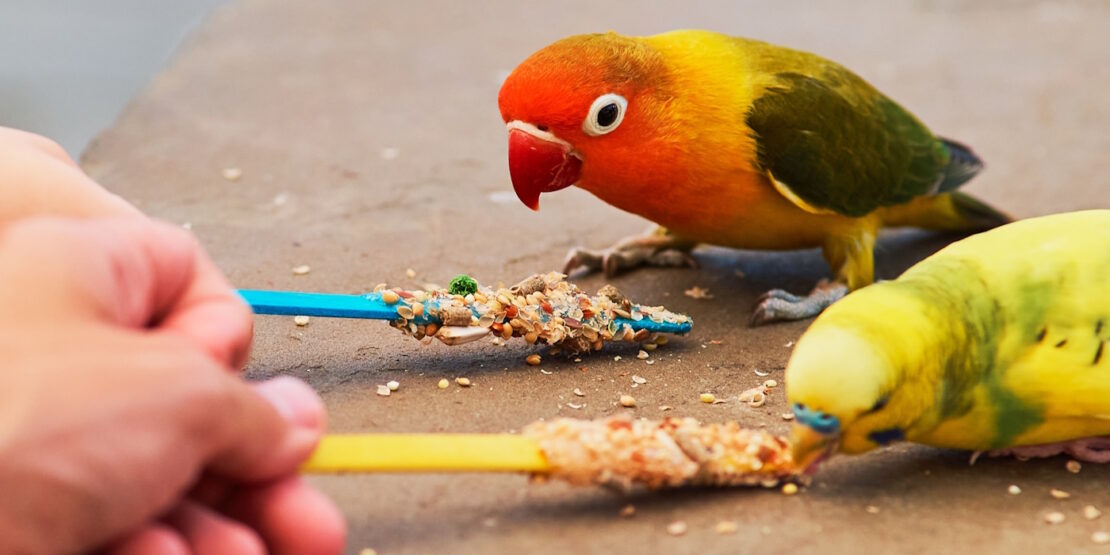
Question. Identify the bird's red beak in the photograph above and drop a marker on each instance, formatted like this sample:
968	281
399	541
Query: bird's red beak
539	163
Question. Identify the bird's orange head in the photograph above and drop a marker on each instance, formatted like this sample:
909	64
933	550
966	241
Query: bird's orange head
584	98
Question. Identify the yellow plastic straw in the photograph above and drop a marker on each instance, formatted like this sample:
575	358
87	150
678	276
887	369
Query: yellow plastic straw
426	453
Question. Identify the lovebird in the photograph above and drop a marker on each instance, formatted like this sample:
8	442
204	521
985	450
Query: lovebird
732	142
996	342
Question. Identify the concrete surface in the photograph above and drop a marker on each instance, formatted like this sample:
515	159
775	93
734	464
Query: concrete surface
68	68
304	97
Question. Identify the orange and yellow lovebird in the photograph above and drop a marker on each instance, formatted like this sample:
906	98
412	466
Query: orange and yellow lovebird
732	142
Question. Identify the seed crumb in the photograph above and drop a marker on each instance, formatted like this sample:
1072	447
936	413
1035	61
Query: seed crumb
443	384
1073	466
232	174
707	398
390	297
727	527
760	374
578	392
383	391
627	401
665	408
1059	493
788	416
464	382
301	321
393	385
1101	537
1055	517
638	379
699	293
301	270
650	362
367	551
871	509
628	511
1013	489
790	489
770	383
642	354
410	273
617	358
1090	512
677	528
575	406
533	359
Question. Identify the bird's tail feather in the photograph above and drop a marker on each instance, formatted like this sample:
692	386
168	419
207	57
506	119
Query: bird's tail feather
945	212
962	166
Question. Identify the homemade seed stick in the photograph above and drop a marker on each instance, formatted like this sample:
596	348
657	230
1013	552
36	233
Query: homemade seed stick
542	309
618	451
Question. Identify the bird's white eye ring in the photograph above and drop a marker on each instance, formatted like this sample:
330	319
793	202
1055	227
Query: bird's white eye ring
605	115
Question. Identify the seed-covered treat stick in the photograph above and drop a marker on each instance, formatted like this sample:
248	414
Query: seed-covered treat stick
617	451
541	309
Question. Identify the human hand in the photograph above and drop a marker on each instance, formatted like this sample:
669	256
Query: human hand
120	426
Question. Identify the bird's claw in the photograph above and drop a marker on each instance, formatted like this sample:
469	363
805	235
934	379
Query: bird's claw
1088	449
777	305
614	260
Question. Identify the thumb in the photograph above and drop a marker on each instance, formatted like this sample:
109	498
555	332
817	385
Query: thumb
262	431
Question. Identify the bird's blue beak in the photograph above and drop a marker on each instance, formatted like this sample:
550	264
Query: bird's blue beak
814	437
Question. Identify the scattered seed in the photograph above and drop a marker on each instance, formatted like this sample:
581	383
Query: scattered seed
1059	493
707	397
770	383
410	273
617	358
546	372
1073	466
533	359
301	270
789	489
871	509
405	312
1013	489
677	528
660	340
1090	512
301	320
789	344
788	416
628	511
574	406
649	362
232	174
1100	537
699	293
578	392
367	551
665	408
383	391
727	527
464	382
443	384
627	401
642	354
638	379
390	297
650	347
1055	517
761	374
393	385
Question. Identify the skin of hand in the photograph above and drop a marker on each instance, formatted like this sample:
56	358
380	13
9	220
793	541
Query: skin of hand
123	426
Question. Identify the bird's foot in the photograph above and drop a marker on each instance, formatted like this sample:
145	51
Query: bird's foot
777	305
658	249
1088	449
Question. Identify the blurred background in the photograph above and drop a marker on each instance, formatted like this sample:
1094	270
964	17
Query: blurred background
67	68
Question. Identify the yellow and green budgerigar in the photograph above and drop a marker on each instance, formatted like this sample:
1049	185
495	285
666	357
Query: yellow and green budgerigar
998	341
731	142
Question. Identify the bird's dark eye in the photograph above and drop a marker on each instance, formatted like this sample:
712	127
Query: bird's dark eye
879	404
607	115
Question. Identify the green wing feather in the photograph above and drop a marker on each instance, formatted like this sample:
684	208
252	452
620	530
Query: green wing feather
840	145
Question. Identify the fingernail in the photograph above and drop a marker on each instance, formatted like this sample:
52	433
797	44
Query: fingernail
294	400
